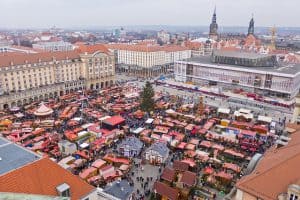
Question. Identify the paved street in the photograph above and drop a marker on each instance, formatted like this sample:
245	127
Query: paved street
211	101
144	174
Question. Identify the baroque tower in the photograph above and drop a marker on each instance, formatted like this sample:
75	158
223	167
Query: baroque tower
251	26
213	28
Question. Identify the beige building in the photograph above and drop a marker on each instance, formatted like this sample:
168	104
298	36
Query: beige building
98	66
147	60
30	77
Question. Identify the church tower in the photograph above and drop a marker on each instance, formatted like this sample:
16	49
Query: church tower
213	28
251	26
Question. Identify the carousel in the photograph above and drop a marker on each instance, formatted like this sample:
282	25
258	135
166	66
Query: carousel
43	111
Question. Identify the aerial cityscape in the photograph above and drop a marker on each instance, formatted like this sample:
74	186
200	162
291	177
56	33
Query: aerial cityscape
149	100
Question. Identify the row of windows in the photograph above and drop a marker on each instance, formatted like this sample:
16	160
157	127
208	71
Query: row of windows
39	69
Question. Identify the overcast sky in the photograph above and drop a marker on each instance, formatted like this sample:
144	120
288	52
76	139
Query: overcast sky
76	13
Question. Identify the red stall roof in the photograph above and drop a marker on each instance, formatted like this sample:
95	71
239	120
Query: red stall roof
224	175
232	166
114	120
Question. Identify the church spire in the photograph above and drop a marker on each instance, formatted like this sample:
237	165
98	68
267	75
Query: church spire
214	18
251	26
213	28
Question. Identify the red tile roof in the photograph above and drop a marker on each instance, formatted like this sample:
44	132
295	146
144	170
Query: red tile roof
112	158
180	166
188	178
114	120
82	48
168	174
42	177
166	191
275	171
8	59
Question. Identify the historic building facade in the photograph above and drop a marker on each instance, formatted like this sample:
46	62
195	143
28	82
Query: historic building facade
30	77
98	66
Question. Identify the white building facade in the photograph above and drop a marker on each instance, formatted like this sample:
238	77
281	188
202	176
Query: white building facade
275	82
53	46
148	60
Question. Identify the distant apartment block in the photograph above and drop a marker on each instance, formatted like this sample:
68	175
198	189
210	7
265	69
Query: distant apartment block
53	46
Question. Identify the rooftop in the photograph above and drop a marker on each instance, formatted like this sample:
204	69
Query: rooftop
168	174
14	156
114	120
289	69
9	59
240	54
133	143
160	147
180	166
82	48
42	177
146	48
120	189
277	169
165	190
189	178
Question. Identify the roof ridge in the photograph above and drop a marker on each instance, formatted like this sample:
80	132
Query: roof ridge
269	168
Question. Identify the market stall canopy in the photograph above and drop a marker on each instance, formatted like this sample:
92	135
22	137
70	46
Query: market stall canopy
19	115
264	119
149	121
224	110
208	170
224	175
114	120
43	111
170	111
14	109
243	112
138	130
5	122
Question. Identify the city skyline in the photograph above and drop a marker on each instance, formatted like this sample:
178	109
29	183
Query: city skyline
71	14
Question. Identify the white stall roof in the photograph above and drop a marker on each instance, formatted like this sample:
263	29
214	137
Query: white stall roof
84	126
264	119
84	145
149	121
170	111
82	133
104	118
224	110
77	118
244	111
246	115
138	130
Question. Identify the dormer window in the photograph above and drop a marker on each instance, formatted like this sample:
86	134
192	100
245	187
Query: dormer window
63	190
293	197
